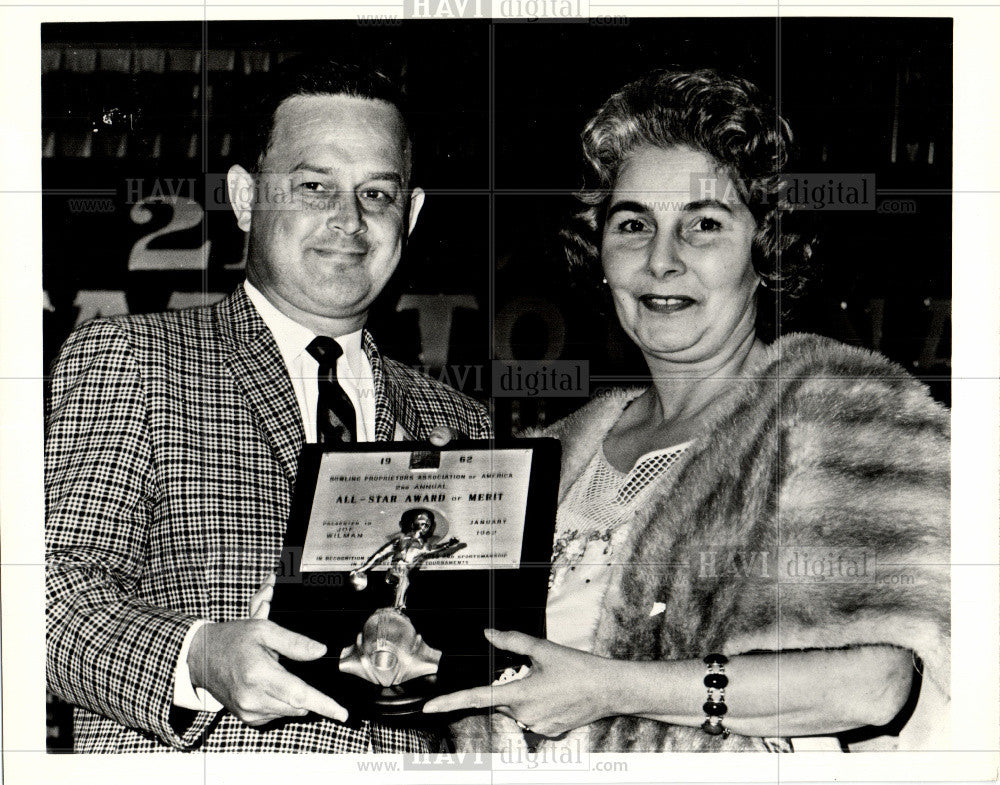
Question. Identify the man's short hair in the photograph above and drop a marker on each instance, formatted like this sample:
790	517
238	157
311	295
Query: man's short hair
312	74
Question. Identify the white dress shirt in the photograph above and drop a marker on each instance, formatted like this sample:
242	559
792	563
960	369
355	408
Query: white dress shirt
354	373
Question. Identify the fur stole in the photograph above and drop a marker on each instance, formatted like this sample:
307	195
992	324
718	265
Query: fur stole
812	513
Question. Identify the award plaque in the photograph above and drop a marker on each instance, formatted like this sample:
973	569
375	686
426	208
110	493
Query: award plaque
398	555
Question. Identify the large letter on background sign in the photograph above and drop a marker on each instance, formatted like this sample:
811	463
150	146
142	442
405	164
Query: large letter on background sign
434	315
186	214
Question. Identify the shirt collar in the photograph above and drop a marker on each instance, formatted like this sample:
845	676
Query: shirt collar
293	338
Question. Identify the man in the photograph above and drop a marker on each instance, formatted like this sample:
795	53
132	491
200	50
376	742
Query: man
172	444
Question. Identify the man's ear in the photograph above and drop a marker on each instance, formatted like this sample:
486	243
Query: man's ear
416	202
240	184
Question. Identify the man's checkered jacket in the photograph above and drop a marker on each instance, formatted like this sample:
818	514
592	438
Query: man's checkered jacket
171	451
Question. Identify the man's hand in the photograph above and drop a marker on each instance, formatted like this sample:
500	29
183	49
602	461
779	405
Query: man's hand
260	603
237	662
440	435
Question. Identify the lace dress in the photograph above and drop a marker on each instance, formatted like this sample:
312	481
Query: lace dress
592	525
593	522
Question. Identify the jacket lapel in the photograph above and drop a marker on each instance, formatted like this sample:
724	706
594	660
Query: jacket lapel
256	365
392	404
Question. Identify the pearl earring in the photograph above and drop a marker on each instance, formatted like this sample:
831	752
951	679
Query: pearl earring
604	281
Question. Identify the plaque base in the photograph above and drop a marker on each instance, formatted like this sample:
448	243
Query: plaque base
402	700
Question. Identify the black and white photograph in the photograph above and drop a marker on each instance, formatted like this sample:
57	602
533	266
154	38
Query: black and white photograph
653	357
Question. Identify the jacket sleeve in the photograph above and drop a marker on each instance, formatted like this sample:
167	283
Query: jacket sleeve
106	649
483	424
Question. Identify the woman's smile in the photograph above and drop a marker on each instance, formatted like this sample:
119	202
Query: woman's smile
666	304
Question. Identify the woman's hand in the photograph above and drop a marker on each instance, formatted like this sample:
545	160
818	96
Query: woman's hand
565	688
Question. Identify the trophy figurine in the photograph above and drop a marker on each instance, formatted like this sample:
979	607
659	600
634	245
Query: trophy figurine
388	650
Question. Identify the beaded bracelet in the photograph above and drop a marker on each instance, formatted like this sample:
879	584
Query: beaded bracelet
715	705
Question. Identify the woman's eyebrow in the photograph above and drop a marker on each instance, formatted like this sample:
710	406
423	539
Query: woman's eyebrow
703	203
631	206
627	207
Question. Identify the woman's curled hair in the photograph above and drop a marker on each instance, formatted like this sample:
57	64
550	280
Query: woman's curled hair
721	116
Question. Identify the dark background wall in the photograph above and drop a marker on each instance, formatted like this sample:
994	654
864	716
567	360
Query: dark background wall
139	121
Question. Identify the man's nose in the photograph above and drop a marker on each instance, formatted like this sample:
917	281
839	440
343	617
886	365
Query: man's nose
345	214
664	256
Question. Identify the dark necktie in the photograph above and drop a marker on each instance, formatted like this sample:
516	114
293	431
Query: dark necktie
336	420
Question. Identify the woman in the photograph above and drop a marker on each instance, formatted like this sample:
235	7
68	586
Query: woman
754	547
